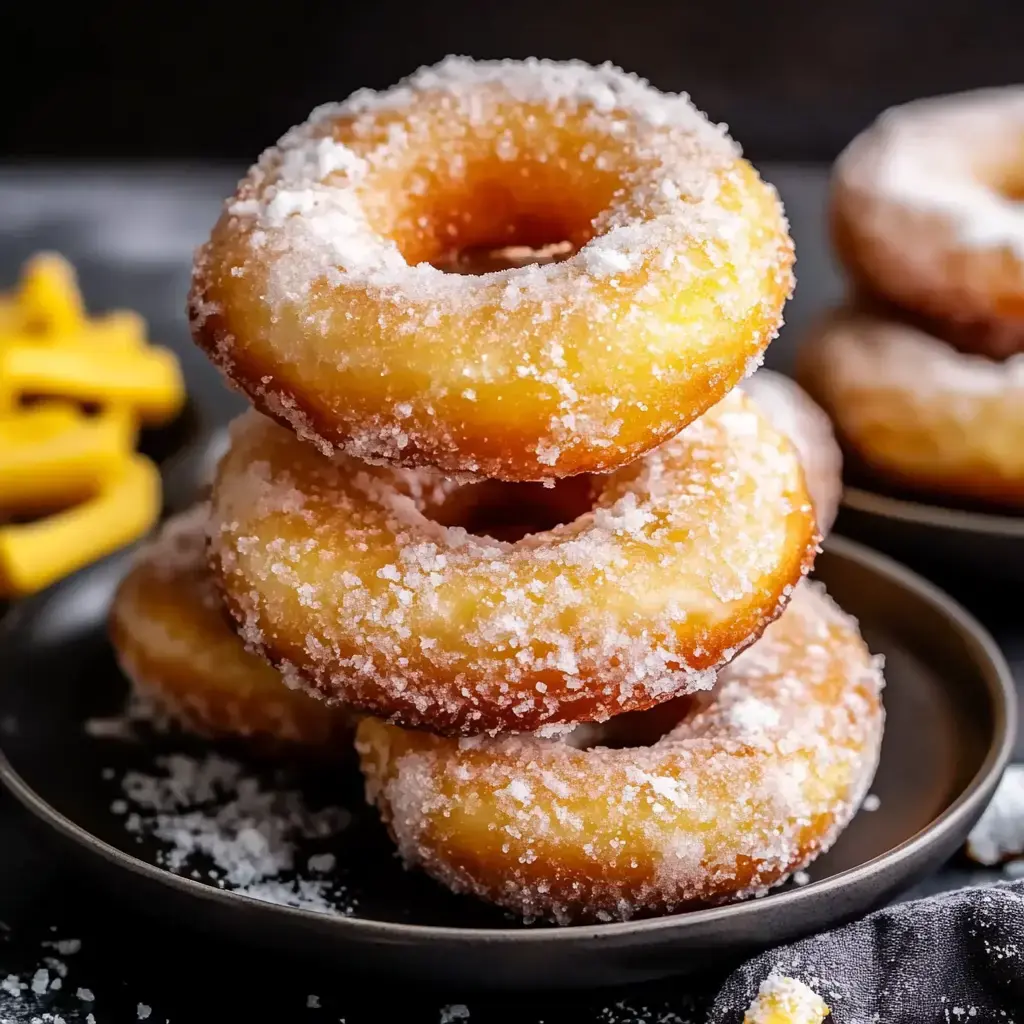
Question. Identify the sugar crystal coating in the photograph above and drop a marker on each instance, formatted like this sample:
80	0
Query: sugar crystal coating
319	295
917	410
745	787
336	571
177	645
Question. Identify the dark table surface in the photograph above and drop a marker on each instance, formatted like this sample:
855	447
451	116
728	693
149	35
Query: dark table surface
131	235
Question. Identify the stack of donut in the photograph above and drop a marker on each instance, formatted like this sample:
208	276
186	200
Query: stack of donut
520	524
922	370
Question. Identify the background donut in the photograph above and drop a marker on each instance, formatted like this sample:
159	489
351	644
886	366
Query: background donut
926	212
917	412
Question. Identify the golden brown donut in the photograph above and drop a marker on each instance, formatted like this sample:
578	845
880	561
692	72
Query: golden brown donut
365	584
180	653
745	786
319	293
916	411
926	212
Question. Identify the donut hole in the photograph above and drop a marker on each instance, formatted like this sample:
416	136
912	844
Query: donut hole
460	226
487	259
510	511
638	728
516	181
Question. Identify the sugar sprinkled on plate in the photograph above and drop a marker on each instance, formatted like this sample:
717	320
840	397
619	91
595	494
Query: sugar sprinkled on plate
24	997
210	810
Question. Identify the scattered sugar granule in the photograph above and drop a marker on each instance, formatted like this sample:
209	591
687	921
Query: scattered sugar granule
85	994
12	985
782	1000
209	808
871	802
322	863
40	981
138	714
142	1011
66	947
801	878
999	833
313	1002
456	1011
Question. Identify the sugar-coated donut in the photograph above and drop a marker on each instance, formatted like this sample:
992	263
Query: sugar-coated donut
180	653
664	570
796	415
742	790
915	410
318	294
926	212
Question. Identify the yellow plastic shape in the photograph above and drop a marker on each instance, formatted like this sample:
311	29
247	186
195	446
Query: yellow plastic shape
34	555
48	295
53	454
149	380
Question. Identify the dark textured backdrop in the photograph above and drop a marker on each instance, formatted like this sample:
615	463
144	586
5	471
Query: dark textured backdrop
794	78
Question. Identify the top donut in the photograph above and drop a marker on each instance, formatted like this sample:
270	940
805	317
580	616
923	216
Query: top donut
321	292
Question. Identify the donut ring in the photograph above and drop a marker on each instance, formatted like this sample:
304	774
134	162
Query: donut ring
796	415
176	647
740	791
916	411
334	570
317	294
926	212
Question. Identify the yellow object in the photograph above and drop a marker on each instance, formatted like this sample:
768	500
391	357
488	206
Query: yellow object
782	1000
74	389
34	555
53	453
149	380
49	299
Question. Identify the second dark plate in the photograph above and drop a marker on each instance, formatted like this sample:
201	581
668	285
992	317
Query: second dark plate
932	537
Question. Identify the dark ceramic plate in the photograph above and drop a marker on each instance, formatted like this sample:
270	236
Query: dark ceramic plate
931	536
950	705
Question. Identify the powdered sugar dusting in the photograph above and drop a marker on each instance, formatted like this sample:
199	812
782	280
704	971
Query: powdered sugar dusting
745	789
309	186
937	156
335	568
337	234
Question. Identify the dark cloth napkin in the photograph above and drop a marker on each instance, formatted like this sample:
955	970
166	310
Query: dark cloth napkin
955	957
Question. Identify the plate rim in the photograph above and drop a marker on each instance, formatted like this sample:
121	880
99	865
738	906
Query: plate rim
999	683
941	517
